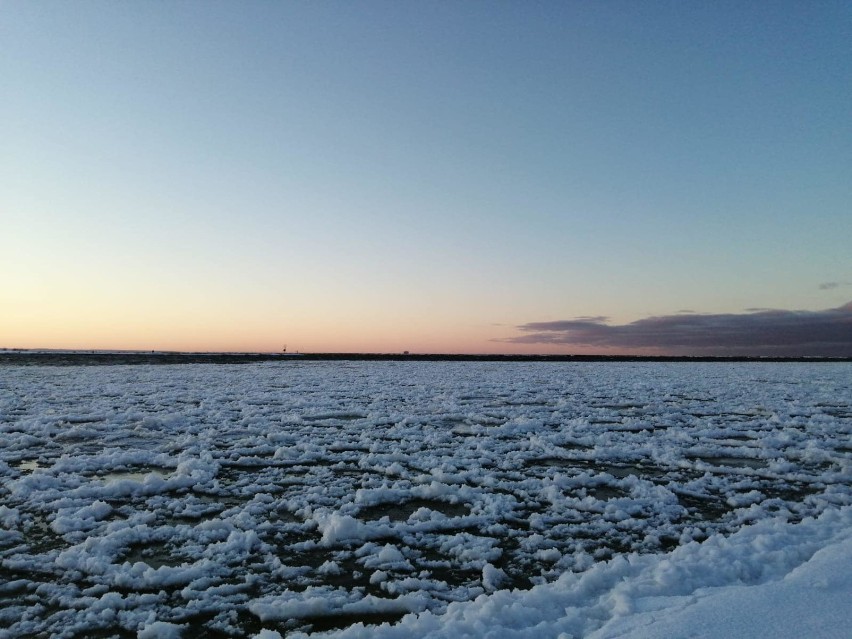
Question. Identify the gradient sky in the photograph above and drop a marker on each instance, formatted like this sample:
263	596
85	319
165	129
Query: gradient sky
424	176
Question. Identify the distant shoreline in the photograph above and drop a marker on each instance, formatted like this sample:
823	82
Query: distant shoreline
96	358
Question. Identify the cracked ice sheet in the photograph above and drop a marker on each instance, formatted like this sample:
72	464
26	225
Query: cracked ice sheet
308	496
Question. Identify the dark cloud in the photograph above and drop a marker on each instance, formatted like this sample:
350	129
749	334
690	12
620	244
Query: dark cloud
762	332
830	286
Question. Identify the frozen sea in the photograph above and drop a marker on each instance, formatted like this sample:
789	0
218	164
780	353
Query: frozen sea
415	499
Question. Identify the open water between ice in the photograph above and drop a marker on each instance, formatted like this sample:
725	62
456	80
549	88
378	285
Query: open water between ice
219	500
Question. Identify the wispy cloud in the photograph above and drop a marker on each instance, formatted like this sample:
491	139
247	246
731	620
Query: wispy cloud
760	332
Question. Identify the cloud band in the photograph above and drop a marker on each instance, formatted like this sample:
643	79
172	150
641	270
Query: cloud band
763	332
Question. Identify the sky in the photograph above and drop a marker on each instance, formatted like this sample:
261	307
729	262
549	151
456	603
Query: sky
458	177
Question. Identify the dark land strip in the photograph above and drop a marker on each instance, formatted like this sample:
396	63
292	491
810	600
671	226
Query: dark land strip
95	358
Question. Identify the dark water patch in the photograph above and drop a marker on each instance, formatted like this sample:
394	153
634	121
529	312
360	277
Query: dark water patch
196	403
820	467
621	471
89	449
709	508
312	559
210	509
350	575
333	416
348	448
220	501
41	538
732	462
14	583
511	562
134	473
82	420
285	537
356	477
489	420
274	479
519	518
550	462
133	441
198	624
155	555
529	403
605	493
226	440
839	412
668	542
735	438
618	470
256	460
344	620
403	511
608	547
107	632
441	568
290	469
285	516
574	446
621	406
690	398
189	520
792	492
72	436
623	427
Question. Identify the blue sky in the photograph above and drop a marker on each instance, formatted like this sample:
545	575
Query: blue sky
419	176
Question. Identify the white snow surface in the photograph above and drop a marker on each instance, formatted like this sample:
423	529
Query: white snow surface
772	579
442	499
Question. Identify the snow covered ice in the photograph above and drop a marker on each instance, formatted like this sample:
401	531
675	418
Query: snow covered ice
439	499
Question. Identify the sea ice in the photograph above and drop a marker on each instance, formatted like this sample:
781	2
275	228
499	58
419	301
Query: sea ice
455	499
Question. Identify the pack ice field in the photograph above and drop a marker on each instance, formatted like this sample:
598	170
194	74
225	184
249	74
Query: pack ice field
310	497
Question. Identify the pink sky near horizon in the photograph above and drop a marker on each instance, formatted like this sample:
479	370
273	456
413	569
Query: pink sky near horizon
198	341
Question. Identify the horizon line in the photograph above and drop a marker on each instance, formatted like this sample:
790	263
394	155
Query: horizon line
255	356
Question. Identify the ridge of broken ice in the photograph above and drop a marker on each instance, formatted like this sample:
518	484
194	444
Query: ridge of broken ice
752	583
